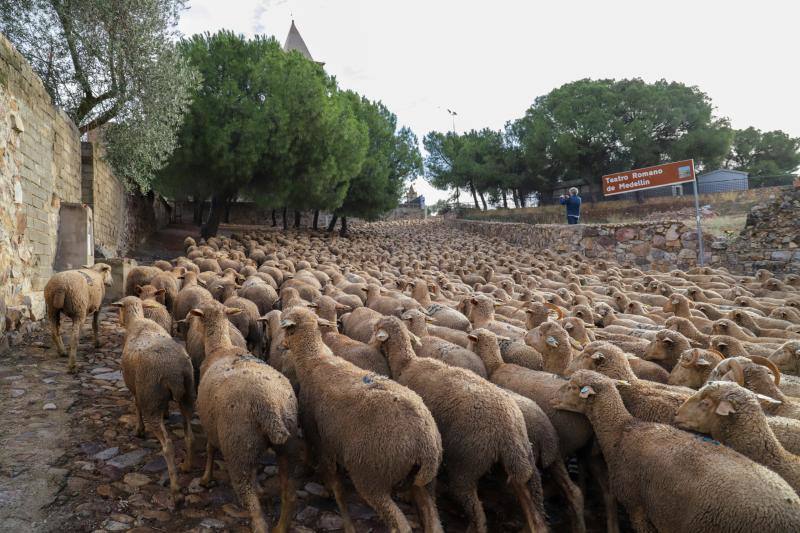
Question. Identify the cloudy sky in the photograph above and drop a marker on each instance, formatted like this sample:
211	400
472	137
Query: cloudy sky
488	60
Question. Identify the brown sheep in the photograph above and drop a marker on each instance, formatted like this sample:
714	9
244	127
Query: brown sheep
245	406
787	358
358	323
693	368
710	498
190	296
429	346
247	323
156	369
139	275
76	294
195	342
479	425
554	343
667	348
153	306
396	441
760	375
732	415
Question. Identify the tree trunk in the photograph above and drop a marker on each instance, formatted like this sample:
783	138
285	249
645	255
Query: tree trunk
297	218
474	196
210	228
274	221
197	217
505	199
458	195
228	211
285	222
515	197
343	231
521	199
332	224
483	201
316	218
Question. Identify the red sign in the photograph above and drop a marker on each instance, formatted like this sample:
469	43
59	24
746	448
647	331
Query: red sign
649	177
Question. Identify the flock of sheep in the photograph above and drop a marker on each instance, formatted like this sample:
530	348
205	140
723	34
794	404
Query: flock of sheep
412	354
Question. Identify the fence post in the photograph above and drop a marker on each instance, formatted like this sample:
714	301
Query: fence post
699	226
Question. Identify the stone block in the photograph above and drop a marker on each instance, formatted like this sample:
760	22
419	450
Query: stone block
34	301
119	271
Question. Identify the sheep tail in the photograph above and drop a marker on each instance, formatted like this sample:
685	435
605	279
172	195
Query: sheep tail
428	466
272	426
518	461
59	296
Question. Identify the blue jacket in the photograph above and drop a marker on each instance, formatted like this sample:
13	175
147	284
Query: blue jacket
573	204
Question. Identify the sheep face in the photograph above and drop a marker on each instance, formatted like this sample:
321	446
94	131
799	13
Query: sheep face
787	358
578	394
129	307
693	368
105	271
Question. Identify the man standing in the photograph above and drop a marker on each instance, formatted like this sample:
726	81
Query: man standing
573	203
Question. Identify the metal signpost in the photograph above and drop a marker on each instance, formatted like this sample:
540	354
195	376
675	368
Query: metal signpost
641	179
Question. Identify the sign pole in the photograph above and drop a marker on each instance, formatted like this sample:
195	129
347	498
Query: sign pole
699	227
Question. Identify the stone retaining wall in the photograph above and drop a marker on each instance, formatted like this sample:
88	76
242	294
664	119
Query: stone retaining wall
657	245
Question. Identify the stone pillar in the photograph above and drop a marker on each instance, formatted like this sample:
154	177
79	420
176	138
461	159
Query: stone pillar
119	271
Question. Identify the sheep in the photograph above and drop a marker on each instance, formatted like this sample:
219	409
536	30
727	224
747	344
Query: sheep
154	309
446	317
195	342
732	329
555	345
76	294
245	406
693	368
139	275
667	348
538	424
687	328
189	297
396	440
520	354
360	354
358	324
733	416
760	375
733	347
482	316
479	425
711	498
156	369
787	358
260	293
652	402
384	305
436	348
169	282
247	323
762	326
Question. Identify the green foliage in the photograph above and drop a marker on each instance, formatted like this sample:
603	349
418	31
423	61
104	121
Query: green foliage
392	157
769	153
109	63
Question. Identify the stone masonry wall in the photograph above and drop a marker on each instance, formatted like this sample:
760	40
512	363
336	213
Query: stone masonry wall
658	245
770	239
106	195
40	169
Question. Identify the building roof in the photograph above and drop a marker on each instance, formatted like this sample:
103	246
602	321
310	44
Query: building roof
740	174
295	42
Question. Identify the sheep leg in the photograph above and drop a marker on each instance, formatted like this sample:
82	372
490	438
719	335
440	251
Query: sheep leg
426	507
600	473
572	494
639	521
209	471
139	431
533	516
77	322
96	328
334	483
389	512
186	411
168	450
288	496
466	494
55	331
244	483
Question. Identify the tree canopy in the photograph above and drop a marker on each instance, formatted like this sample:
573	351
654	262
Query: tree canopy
588	128
111	64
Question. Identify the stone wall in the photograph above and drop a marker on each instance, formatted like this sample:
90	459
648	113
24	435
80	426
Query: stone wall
106	195
657	245
40	168
770	239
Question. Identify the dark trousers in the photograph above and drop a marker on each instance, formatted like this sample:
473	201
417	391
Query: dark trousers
571	219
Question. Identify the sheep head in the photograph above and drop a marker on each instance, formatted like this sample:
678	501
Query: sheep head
694	367
719	403
602	357
583	389
787	358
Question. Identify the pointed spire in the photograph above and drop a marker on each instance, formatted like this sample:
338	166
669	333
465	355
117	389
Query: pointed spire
295	42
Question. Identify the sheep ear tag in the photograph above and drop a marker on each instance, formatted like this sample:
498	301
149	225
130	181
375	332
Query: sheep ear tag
724	408
552	341
286	323
381	335
586	391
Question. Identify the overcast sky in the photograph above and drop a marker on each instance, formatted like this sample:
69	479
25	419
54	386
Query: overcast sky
488	60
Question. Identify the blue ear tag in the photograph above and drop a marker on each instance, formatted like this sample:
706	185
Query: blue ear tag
368	380
585	389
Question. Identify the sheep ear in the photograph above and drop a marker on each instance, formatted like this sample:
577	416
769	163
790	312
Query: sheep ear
232	310
702	362
414	338
568	326
675	301
428	319
196	312
599	357
622	383
117	304
342	307
312	305
381	335
323	322
724	408
87	267
161	291
587	391
287	323
575	344
137	289
473	338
